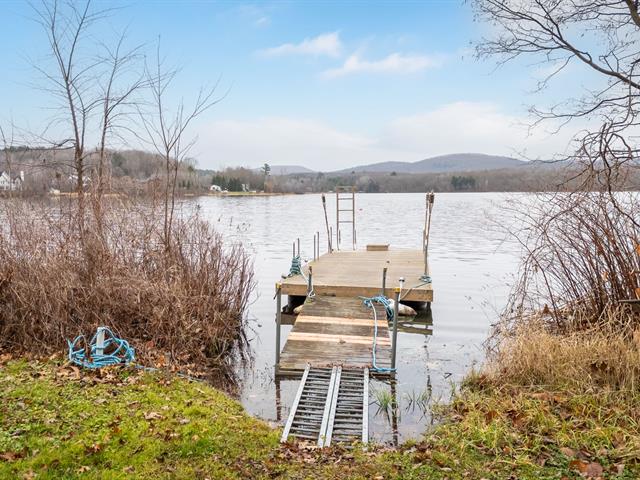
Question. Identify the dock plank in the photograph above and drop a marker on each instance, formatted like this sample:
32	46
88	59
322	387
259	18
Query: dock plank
359	273
344	337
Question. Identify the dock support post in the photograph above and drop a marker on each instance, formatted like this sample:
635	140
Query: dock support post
310	281
314	247
384	281
330	239
278	320
394	339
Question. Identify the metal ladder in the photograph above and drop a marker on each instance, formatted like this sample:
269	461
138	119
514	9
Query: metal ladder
346	195
331	404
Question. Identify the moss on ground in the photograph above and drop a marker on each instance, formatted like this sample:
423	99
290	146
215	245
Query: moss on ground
59	422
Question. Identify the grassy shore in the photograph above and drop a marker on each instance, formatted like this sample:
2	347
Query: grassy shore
59	422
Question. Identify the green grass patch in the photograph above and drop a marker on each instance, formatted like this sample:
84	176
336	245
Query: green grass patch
58	422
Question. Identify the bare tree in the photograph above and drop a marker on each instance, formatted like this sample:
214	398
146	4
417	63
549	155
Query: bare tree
601	37
165	129
73	80
580	248
117	103
8	139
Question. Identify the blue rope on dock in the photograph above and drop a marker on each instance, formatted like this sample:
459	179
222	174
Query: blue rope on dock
119	350
296	266
369	302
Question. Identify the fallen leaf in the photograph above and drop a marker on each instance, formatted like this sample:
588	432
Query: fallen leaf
11	456
568	452
594	470
578	465
152	416
587	469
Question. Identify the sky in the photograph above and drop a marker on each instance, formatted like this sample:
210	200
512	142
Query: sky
322	84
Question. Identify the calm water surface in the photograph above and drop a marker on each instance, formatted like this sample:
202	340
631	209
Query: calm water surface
472	267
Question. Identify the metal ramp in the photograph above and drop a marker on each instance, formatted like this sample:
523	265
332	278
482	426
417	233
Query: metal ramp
331	405
345	205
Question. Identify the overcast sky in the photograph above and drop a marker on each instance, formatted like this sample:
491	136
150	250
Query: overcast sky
326	85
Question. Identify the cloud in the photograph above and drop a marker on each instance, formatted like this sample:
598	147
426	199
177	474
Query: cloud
395	63
256	14
262	21
471	127
281	141
459	127
327	44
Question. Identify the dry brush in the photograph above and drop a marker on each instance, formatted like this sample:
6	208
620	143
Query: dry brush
182	306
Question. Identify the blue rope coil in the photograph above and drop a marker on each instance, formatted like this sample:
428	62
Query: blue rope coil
119	350
296	266
369	302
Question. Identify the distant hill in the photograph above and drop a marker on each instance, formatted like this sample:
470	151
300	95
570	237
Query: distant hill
456	162
287	169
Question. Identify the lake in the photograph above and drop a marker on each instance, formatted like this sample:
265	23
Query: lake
472	267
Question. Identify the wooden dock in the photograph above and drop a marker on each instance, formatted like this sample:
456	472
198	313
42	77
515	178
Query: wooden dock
337	341
359	273
334	331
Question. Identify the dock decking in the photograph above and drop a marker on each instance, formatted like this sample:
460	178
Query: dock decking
334	331
359	273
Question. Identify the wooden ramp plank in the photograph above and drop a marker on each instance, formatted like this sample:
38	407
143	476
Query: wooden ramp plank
334	340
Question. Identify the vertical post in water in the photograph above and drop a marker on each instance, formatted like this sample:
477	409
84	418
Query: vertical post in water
298	246
293	251
427	228
330	239
314	246
394	338
337	218
384	281
278	320
353	216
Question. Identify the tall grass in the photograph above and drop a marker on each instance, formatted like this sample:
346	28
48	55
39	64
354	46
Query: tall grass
566	323
178	304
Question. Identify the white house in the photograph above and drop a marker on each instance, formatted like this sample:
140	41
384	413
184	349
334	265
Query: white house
215	188
8	183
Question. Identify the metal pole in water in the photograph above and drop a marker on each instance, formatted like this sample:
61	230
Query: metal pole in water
278	320
394	339
298	246
330	239
384	281
314	246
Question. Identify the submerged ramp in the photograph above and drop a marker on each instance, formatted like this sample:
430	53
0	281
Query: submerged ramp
332	331
331	405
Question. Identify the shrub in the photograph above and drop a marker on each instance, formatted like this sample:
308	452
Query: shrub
178	304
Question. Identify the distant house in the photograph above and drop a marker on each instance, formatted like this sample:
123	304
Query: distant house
215	188
9	184
73	178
